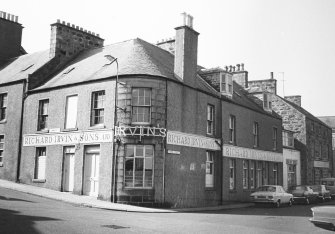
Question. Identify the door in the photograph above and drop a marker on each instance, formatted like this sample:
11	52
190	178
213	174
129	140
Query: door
91	171
68	170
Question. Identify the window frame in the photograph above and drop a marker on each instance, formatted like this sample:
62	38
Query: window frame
66	112
232	174
210	121
134	166
42	119
232	129
252	174
210	157
2	149
3	106
40	152
245	174
275	173
94	110
255	132
274	138
149	106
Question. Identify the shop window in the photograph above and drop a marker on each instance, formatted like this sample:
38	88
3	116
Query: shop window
209	169
275	173
232	177
71	112
43	114
210	119
40	163
255	134
98	108
252	174
274	138
139	166
141	105
265	173
2	145
259	174
3	106
245	174
232	129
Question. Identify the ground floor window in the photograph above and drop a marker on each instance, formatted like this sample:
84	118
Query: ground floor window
2	144
40	163
232	178
265	173
209	169
139	166
252	174
291	175
275	173
245	174
259	174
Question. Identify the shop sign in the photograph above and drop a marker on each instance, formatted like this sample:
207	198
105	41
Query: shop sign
321	164
190	140
173	152
246	153
141	131
65	138
291	161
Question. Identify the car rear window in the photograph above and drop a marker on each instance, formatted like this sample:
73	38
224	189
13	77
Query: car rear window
267	189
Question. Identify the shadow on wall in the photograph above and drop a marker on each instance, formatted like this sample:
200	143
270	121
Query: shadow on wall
12	221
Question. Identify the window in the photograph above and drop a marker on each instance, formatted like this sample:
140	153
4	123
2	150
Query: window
232	169
209	169
245	174
288	139
267	101
71	112
43	114
98	108
2	144
230	85
40	163
141	105
223	83
259	174
252	174
226	84
274	138
265	173
255	134
139	166
291	173
275	173
3	106
232	129
312	127
210	119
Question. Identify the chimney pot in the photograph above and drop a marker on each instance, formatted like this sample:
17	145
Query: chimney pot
190	21
233	68
73	26
81	29
98	35
238	67
16	19
63	22
58	20
85	30
230	68
12	18
4	15
242	66
93	33
271	75
8	17
77	27
89	32
184	17
68	24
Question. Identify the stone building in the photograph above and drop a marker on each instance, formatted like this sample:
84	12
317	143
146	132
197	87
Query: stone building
137	124
330	121
312	137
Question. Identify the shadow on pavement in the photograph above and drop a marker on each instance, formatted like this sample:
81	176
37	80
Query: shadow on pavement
13	222
13	199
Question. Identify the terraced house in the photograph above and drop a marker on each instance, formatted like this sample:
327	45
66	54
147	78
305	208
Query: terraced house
143	124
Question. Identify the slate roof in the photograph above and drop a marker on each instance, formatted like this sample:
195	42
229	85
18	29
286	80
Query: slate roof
329	120
135	57
20	67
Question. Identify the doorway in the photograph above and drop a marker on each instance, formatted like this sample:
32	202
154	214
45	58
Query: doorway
68	169
91	171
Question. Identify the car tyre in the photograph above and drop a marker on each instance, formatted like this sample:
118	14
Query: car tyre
290	203
277	204
307	201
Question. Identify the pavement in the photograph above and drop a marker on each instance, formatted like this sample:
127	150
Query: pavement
87	201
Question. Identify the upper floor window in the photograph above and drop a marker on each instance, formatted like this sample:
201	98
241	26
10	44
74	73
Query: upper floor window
232	129
98	108
274	138
43	114
2	144
141	105
71	112
226	84
3	106
209	169
288	139
210	119
255	134
267	101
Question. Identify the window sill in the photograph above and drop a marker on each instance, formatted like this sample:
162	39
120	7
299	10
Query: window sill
70	129
39	180
3	121
138	188
42	131
98	126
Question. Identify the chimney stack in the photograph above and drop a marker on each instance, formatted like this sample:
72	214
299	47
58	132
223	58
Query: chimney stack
67	40
10	38
296	99
271	75
186	51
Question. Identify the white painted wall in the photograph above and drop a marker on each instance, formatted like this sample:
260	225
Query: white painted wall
293	155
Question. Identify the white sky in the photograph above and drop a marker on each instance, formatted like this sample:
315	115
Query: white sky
296	37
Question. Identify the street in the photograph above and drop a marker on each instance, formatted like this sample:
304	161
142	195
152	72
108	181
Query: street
24	213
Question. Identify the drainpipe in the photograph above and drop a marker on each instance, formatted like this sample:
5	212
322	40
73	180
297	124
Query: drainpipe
164	141
24	96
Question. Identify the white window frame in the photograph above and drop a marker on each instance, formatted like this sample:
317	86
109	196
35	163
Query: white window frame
98	108
3	106
140	106
232	174
71	121
210	119
133	175
43	115
232	129
209	169
223	83
2	149
252	174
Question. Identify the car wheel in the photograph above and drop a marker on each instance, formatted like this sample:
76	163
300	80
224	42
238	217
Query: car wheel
290	203
307	201
277	204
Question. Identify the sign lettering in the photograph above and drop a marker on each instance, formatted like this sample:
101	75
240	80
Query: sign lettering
124	131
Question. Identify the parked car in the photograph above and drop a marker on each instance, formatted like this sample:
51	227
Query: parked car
304	193
330	185
324	194
272	194
324	217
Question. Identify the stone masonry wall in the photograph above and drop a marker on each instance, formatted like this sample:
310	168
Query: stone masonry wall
269	85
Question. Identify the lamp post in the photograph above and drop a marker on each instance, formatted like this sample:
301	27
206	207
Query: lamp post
112	59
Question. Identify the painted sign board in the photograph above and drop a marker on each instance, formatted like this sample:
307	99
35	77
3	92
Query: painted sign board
125	131
191	140
246	153
64	138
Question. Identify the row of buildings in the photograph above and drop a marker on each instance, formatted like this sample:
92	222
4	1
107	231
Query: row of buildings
144	124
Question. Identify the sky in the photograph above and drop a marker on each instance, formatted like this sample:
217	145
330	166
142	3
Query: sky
294	39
